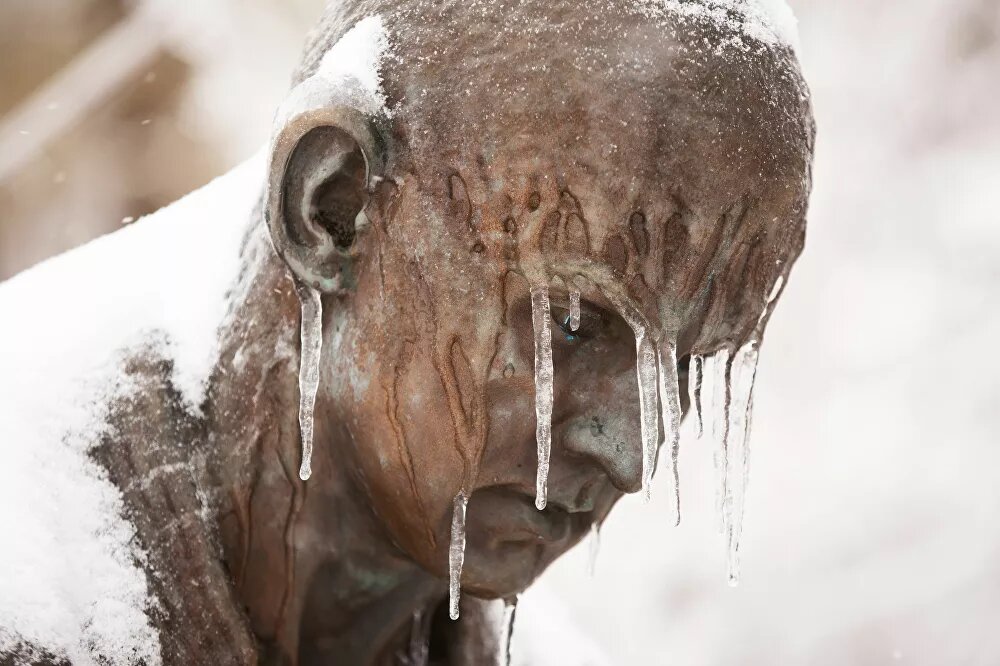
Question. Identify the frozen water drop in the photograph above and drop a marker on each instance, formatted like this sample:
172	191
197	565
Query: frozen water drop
311	336
670	404
695	369
507	630
574	310
540	319
456	553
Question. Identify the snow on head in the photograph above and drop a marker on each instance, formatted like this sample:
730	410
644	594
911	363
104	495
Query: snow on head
347	75
770	22
359	54
71	580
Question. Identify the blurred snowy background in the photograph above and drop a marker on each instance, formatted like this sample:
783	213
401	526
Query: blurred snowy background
872	533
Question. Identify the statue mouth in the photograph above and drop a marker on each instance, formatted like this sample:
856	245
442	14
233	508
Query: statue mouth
506	514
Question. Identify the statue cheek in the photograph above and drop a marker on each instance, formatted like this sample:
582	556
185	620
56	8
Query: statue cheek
403	440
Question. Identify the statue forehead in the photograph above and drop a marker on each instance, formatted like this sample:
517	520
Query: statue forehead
643	99
624	110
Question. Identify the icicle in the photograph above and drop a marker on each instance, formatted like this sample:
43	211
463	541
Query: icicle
649	417
593	548
574	310
507	630
695	368
670	404
311	336
719	384
540	318
456	553
741	380
419	650
650	427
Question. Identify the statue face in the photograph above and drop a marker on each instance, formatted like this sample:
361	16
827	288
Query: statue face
430	362
675	188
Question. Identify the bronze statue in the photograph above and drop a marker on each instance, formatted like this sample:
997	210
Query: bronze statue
622	185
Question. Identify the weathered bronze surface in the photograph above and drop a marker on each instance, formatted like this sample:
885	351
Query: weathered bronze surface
527	140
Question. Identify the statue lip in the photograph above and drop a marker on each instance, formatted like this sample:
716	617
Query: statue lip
509	510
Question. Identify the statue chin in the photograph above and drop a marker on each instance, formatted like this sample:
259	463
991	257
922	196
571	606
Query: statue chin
510	542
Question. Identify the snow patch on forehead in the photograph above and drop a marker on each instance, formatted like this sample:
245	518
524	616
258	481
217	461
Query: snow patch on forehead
770	22
358	55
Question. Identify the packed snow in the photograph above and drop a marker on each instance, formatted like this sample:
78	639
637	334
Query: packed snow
73	582
347	74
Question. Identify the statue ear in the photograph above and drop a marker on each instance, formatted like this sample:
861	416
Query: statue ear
322	165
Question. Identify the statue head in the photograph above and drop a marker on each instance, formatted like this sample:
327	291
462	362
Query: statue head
438	168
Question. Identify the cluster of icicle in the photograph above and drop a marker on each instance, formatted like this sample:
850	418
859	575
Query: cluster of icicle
723	380
730	394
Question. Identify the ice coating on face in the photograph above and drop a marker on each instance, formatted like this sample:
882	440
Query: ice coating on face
540	316
574	310
594	548
670	403
695	371
743	370
311	336
507	630
456	553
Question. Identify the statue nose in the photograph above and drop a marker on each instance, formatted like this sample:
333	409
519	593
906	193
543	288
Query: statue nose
610	442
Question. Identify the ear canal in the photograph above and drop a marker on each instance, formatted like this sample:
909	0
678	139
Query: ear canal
317	194
337	201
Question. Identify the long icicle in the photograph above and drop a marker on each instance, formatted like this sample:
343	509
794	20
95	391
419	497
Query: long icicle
696	368
670	404
648	413
456	553
720	362
507	630
311	336
742	375
541	315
